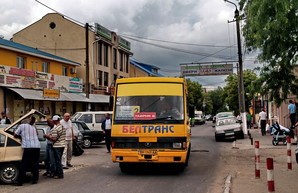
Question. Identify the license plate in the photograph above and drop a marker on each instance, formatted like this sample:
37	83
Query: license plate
148	152
229	133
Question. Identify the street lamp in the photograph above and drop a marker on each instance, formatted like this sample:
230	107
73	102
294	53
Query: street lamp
240	72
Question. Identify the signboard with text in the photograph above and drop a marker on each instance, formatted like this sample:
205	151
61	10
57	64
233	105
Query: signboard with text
205	70
22	78
102	31
49	93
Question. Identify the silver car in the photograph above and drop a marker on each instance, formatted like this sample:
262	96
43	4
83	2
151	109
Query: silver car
228	127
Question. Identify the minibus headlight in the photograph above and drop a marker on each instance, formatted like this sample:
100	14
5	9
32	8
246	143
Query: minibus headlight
177	145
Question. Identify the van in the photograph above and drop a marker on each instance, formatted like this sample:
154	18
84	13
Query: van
92	119
199	118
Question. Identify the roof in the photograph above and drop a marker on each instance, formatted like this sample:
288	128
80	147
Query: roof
10	45
146	67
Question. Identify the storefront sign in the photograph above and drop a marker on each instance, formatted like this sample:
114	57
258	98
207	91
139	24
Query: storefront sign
204	70
102	31
21	78
123	43
48	93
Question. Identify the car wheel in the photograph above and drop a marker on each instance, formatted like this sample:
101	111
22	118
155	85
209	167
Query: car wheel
9	172
217	138
87	143
124	167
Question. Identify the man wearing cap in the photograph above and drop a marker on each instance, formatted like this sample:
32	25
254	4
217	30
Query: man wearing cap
31	150
5	119
58	138
67	153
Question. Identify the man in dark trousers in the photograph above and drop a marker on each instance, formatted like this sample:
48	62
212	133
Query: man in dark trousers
106	126
31	150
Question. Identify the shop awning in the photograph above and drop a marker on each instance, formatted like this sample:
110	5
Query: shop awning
70	97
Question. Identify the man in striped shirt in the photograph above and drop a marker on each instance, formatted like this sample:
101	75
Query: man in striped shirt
31	150
58	138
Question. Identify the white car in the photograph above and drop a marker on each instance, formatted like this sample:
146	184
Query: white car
228	127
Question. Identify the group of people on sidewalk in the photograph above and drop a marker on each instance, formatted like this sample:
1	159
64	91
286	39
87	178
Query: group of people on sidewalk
59	137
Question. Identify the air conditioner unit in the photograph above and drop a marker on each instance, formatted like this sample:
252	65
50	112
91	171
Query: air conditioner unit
73	70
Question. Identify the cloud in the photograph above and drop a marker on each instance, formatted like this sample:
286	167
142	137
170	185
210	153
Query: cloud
189	21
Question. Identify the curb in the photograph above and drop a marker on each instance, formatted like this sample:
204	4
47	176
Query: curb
227	184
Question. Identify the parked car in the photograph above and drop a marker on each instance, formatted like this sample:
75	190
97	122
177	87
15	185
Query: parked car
11	149
199	118
92	119
208	117
227	127
90	136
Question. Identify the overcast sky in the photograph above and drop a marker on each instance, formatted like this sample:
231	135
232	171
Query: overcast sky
199	22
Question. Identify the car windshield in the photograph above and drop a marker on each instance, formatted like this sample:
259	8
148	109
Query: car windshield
226	121
76	116
149	108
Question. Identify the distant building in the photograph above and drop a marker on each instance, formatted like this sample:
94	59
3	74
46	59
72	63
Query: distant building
30	78
139	69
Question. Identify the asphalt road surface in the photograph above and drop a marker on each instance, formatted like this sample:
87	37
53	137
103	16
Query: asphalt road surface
95	172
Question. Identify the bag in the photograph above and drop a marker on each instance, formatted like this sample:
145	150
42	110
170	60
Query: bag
76	148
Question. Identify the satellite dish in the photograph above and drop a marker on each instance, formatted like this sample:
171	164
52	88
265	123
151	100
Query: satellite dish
1	36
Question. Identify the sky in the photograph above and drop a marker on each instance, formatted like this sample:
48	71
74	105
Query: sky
197	28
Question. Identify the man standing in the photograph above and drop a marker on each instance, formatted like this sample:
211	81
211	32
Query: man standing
67	153
58	136
31	150
5	119
248	120
263	118
106	126
292	112
50	160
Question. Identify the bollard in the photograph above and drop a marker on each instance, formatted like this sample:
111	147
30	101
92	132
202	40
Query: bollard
270	176
251	141
257	160
289	153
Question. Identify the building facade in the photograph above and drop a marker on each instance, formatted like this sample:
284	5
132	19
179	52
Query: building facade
30	78
108	53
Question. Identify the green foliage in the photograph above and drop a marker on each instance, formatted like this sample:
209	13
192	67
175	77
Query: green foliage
215	102
195	96
231	90
271	28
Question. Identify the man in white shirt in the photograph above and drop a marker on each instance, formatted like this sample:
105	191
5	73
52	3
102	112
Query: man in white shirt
106	126
263	118
67	153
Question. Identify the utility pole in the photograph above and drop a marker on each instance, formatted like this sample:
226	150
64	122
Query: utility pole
240	72
87	88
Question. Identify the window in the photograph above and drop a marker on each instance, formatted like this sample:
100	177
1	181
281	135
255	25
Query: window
106	55
126	64
99	118
45	67
115	58
64	71
121	61
21	62
99	77
87	118
99	54
115	77
2	140
106	79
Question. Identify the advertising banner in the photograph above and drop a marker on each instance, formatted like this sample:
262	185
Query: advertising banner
205	70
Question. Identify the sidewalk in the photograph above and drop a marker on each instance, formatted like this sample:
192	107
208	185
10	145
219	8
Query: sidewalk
243	170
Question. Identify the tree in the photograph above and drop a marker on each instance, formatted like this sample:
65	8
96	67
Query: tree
195	96
216	102
271	28
231	89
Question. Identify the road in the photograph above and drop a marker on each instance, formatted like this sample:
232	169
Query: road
94	172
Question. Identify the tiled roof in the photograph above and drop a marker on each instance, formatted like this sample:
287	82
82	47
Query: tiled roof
34	51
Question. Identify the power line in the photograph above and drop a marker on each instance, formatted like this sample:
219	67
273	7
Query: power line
179	50
172	42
